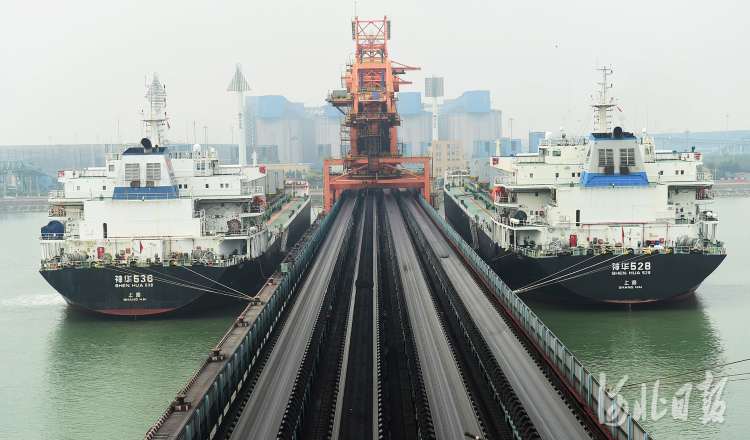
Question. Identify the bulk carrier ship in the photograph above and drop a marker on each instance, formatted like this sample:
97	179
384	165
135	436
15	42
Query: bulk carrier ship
605	219
157	231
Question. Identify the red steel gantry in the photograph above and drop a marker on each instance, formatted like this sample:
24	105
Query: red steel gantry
373	159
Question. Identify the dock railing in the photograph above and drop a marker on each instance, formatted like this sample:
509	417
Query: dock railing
619	423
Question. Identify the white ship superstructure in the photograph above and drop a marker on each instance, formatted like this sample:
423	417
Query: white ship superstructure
613	187
636	215
168	203
173	215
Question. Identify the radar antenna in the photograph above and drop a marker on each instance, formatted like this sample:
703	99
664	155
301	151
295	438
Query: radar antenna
156	117
603	103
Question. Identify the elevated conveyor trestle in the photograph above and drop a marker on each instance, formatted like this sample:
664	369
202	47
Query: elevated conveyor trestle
600	412
386	324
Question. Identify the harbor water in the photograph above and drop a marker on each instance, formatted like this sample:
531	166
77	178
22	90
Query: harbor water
71	375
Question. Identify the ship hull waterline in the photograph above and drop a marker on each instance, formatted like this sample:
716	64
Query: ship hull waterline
602	278
111	290
171	289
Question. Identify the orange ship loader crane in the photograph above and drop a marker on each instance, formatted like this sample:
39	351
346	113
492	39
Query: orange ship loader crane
372	155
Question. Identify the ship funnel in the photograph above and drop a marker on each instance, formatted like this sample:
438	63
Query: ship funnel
146	143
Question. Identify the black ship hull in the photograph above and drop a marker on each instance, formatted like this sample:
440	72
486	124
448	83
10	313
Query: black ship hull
600	277
156	289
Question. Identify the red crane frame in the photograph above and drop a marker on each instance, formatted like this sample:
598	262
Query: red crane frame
373	159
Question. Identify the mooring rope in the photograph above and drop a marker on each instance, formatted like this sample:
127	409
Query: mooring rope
202	288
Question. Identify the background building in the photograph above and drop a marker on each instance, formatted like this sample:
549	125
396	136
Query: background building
447	155
469	118
707	142
293	129
416	130
534	138
277	121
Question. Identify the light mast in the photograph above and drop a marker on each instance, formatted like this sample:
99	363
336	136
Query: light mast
601	102
239	85
433	88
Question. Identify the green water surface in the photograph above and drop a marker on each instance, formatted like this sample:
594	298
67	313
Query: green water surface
70	375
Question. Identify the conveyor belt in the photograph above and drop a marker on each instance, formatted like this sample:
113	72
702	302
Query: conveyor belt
355	389
551	416
450	404
263	413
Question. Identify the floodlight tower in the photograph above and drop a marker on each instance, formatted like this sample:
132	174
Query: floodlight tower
239	85
369	105
433	88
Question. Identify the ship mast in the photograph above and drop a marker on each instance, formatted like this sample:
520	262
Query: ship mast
601	102
156	116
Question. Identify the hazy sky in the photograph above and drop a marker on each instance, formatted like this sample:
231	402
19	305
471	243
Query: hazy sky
62	63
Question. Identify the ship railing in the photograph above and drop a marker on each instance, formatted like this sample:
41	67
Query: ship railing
546	251
57	194
218	261
667	156
258	209
529	159
249	231
226	171
183	155
665	216
685	220
512	199
502	180
705	176
253	191
485	226
538	221
93	173
206	172
51	237
112	156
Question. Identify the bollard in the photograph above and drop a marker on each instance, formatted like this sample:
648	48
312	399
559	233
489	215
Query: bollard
216	355
179	403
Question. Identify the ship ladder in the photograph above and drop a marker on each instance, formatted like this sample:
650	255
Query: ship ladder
474	240
284	238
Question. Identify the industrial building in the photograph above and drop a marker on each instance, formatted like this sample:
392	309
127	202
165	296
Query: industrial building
304	134
415	131
707	142
534	138
298	134
446	156
468	118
